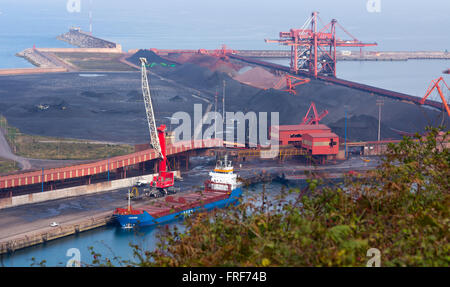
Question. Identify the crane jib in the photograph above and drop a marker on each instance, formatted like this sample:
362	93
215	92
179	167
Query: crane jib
154	140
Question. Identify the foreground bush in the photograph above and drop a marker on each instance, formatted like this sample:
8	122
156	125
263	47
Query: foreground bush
402	209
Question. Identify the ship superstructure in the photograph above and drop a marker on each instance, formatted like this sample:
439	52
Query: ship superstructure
223	175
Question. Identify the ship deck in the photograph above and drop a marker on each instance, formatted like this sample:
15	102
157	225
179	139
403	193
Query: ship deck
176	203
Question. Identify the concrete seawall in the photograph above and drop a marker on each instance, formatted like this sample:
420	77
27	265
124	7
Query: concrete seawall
79	38
117	50
74	191
51	233
37	58
27	71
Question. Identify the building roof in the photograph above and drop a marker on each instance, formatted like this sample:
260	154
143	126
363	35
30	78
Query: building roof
322	135
301	127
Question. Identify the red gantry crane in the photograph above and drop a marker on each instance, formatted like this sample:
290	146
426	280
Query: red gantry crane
222	53
313	51
435	85
315	118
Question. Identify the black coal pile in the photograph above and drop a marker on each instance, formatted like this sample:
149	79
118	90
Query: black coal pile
337	100
359	105
150	56
193	76
109	106
362	128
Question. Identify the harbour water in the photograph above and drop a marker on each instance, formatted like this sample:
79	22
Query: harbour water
110	241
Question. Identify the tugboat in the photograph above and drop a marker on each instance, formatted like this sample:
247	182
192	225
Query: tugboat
220	191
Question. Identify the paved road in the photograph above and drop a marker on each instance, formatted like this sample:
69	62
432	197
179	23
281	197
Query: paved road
5	152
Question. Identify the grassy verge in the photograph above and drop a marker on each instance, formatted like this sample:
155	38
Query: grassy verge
7	166
41	147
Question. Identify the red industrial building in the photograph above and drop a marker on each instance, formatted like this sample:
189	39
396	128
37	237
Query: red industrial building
293	134
321	143
317	139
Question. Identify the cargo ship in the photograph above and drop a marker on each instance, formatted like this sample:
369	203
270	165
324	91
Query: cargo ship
222	190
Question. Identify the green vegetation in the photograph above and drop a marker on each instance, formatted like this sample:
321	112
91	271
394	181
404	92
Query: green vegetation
7	166
402	209
40	147
96	61
9	131
51	148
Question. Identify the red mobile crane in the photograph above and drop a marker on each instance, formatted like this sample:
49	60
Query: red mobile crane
163	182
165	179
314	52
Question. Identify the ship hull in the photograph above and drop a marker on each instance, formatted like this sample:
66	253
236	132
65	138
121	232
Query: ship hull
145	219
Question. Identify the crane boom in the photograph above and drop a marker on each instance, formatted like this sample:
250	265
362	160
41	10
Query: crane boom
435	85
154	140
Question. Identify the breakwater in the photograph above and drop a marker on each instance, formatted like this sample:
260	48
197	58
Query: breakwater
76	37
37	58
